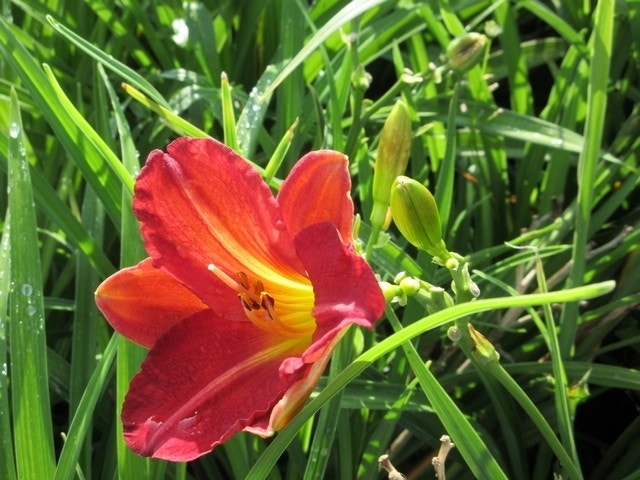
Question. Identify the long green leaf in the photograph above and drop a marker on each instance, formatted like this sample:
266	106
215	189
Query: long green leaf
7	462
346	14
561	390
466	438
90	160
33	432
601	47
80	425
127	73
129	355
510	124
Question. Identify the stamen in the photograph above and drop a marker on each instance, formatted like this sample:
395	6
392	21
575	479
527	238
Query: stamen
230	282
268	303
259	305
244	281
248	303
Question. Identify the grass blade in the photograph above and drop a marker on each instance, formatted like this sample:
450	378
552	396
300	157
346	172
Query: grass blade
7	463
601	46
466	438
129	75
80	425
88	158
33	433
346	14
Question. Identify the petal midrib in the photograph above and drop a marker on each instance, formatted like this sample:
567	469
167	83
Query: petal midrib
260	263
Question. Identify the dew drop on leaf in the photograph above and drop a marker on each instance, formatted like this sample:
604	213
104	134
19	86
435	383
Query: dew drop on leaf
27	289
14	130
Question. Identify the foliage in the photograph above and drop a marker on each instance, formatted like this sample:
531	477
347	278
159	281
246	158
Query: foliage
531	155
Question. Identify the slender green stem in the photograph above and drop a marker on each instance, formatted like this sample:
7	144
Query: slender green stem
561	387
495	369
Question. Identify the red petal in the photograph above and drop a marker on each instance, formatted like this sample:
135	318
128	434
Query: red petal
294	398
202	382
345	288
317	190
143	302
202	203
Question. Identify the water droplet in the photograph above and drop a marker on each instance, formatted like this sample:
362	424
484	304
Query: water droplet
454	334
14	130
31	310
27	289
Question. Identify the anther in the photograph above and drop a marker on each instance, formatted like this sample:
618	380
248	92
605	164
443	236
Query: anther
244	281
247	302
267	302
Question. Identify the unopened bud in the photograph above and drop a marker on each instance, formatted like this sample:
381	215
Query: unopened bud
391	292
484	350
466	51
415	213
410	285
361	79
391	159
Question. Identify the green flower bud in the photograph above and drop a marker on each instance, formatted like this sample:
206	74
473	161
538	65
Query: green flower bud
410	286
415	213
391	159
466	51
391	292
361	79
484	350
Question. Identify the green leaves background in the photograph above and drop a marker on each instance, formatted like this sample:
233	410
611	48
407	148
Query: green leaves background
536	147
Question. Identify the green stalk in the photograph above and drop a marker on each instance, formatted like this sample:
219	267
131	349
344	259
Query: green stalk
129	355
444	187
565	421
327	425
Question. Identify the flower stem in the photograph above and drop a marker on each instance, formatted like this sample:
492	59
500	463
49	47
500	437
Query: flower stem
485	357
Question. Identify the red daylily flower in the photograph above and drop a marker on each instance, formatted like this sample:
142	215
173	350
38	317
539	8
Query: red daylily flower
243	299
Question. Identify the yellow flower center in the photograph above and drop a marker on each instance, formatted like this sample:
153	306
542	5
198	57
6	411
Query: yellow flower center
289	315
